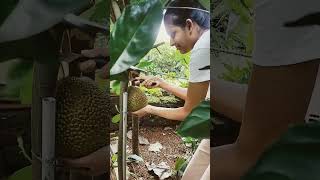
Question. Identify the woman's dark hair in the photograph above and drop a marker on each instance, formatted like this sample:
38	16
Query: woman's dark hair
180	15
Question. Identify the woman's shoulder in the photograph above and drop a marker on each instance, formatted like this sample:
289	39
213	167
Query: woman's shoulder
203	41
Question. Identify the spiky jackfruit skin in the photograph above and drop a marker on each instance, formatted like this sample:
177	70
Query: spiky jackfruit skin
82	117
136	99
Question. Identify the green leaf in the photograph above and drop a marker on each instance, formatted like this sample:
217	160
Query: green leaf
219	10
22	174
19	81
116	118
6	6
114	158
131	44
143	64
115	87
205	3
237	74
248	3
237	7
37	16
197	123
101	11
180	162
294	156
26	88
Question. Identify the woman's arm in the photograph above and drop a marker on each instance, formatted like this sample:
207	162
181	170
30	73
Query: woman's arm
277	97
154	82
228	98
196	93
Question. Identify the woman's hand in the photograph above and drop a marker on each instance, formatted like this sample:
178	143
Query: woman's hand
142	112
91	64
96	52
93	164
150	81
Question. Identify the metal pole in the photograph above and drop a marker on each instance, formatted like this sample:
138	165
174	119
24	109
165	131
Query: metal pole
124	135
48	138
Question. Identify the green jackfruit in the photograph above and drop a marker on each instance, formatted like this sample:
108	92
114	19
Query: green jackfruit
136	99
83	117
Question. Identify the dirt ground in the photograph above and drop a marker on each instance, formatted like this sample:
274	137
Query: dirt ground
173	147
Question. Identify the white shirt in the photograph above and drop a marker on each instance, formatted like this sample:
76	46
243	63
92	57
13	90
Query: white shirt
200	58
277	45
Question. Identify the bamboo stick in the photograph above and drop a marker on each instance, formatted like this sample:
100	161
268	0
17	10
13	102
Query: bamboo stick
48	138
44	83
122	135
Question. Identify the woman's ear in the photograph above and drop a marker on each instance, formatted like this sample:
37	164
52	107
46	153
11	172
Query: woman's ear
189	25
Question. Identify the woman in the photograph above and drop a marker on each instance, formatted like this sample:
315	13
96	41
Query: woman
188	26
286	63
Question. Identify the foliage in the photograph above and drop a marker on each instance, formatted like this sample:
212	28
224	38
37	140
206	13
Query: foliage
205	3
237	74
6	9
116	119
191	142
22	174
232	25
40	47
44	14
157	92
166	62
180	165
100	12
294	156
115	87
233	33
198	123
129	45
114	160
19	81
167	99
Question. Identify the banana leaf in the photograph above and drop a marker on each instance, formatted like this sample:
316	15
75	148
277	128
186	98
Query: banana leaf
25	18
295	156
198	123
134	34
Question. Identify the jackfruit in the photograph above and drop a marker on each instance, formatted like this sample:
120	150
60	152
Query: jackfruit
136	99
83	117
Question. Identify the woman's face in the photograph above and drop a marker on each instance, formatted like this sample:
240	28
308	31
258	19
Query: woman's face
182	38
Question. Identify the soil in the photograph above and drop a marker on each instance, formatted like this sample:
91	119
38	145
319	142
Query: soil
173	147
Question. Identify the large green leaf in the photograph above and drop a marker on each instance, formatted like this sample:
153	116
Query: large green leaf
205	3
30	17
6	6
198	122
295	156
22	174
134	34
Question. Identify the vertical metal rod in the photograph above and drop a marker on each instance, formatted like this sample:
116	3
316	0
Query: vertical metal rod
124	134
48	138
